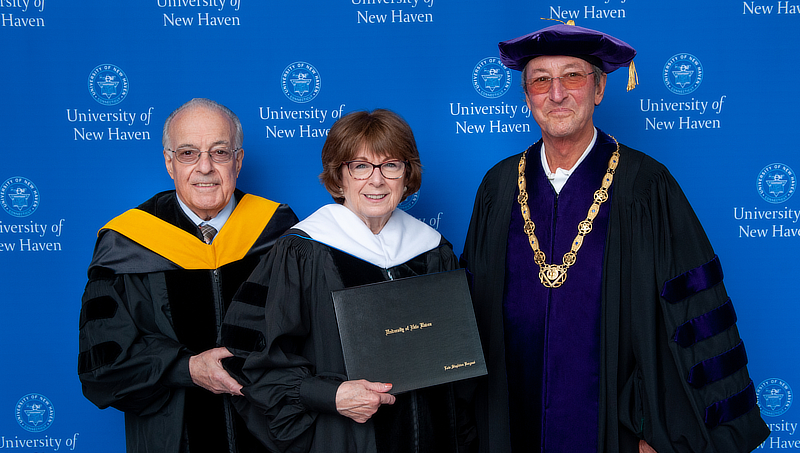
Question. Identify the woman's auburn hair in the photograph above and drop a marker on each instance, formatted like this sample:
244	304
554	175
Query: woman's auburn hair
380	131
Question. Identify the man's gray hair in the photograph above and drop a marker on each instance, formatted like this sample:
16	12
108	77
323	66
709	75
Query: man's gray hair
238	133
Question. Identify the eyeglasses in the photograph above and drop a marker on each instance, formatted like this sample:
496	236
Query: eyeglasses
192	155
360	169
570	81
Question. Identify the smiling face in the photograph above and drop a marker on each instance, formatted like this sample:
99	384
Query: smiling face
563	113
205	186
375	198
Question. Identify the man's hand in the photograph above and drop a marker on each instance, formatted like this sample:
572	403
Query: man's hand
359	400
207	372
644	447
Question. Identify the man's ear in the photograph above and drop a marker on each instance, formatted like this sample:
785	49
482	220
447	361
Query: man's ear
600	89
168	162
239	158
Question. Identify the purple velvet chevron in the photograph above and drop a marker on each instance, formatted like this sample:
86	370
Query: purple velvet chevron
731	407
693	281
706	325
718	367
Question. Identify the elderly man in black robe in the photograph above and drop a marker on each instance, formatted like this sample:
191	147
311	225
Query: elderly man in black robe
160	281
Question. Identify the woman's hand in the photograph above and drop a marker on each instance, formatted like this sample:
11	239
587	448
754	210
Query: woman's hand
359	400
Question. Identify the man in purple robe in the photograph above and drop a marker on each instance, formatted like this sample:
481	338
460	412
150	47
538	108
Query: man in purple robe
605	322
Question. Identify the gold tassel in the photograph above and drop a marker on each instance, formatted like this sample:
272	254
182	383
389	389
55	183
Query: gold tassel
569	22
633	78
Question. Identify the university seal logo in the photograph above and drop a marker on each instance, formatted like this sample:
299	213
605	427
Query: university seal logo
34	412
774	397
19	196
300	82
776	183
108	84
409	202
683	73
491	78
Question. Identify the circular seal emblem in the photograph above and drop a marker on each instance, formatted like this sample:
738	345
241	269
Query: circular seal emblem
300	82
491	78
409	202
774	397
776	183
35	413
683	73
19	196
108	84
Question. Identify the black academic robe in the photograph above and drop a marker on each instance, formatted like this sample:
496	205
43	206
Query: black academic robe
287	333
143	316
661	287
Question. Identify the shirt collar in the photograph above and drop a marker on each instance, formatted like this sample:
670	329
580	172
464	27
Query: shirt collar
216	222
560	176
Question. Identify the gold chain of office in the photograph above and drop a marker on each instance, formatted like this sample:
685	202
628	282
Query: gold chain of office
554	275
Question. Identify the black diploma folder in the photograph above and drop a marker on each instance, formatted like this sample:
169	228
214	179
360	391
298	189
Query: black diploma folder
413	332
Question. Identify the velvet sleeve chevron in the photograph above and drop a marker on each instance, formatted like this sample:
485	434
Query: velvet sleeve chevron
119	365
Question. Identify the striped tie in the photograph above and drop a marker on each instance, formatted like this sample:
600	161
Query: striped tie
208	232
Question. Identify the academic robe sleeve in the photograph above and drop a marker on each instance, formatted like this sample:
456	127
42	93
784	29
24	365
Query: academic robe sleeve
278	309
683	375
127	362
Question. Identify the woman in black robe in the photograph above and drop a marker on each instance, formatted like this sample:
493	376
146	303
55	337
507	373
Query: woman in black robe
282	326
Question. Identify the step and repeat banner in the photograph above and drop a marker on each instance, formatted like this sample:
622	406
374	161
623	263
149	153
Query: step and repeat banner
86	87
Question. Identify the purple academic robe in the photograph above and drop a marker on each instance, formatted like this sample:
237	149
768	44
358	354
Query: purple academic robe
552	336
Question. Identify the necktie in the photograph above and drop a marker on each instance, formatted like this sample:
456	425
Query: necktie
208	232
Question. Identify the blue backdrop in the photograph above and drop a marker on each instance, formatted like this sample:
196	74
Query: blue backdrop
86	86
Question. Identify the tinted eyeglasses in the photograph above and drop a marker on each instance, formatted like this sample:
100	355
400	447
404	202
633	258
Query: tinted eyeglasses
570	81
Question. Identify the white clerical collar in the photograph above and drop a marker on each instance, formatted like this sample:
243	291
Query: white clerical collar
216	222
560	176
401	239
